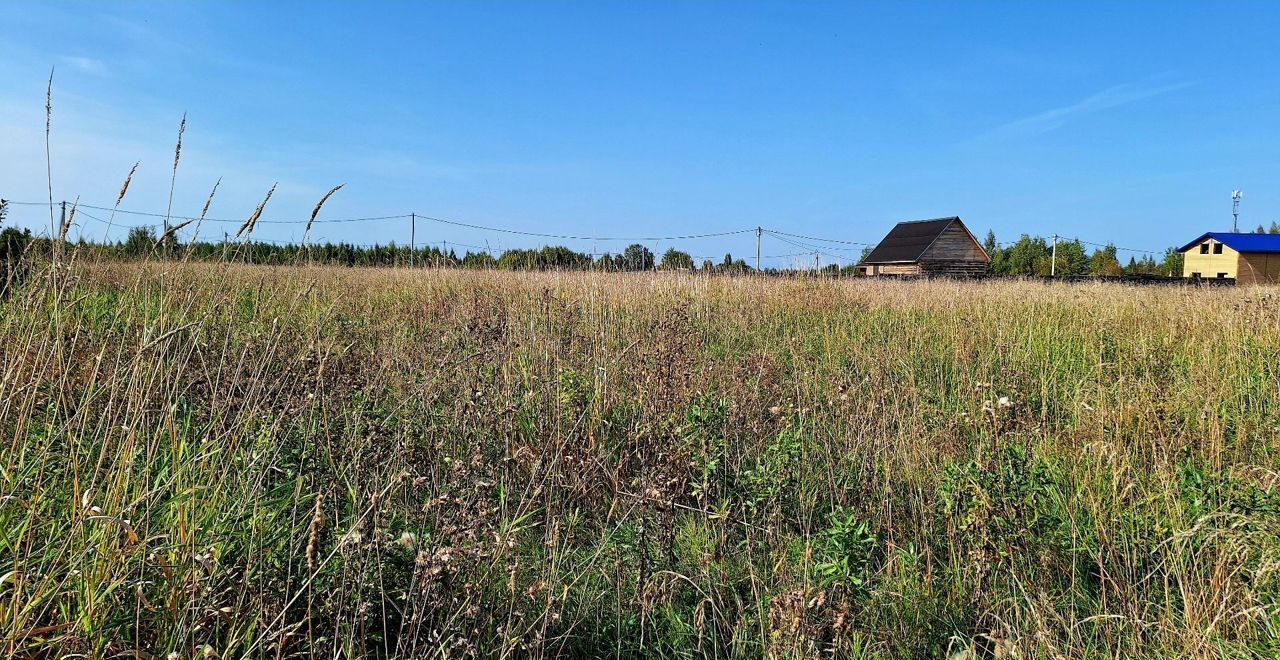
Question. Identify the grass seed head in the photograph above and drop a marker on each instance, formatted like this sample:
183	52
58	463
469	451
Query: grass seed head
124	188
252	221
316	211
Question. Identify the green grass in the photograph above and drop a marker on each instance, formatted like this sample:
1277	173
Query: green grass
231	461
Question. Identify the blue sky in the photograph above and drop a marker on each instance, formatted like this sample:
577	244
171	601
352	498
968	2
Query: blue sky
1124	122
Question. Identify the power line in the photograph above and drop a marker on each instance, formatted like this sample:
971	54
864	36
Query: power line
1067	239
288	242
820	248
265	222
708	257
1122	249
585	238
225	220
469	247
424	217
786	237
822	240
16	203
812	249
788	255
777	234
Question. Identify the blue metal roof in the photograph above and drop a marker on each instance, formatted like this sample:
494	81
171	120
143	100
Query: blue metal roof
1240	242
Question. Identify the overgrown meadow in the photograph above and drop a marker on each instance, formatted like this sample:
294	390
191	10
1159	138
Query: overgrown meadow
225	461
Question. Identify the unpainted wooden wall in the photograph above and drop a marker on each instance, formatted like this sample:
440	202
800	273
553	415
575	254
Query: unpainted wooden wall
954	244
1258	268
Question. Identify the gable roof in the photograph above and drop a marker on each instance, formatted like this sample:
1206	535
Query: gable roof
1239	242
908	241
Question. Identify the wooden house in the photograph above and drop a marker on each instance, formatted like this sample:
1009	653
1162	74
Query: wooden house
942	247
1248	258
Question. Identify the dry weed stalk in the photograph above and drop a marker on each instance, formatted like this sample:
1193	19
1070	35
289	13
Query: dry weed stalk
195	233
171	231
70	219
313	532
124	188
48	153
252	221
173	178
316	211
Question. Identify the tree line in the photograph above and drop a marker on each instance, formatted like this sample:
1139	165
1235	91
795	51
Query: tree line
142	243
1028	256
1034	256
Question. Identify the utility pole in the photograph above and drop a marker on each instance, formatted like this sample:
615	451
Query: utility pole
815	263
1053	262
758	232
413	239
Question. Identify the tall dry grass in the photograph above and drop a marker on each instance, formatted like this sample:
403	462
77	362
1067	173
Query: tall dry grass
227	461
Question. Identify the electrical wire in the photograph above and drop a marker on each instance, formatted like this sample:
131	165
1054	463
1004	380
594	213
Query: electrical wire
220	220
814	248
1122	249
288	242
265	222
584	238
812	251
786	237
821	240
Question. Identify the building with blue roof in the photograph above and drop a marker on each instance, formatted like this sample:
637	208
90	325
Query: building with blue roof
1248	258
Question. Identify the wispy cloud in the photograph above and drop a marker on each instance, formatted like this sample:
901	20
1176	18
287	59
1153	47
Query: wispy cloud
85	64
1111	97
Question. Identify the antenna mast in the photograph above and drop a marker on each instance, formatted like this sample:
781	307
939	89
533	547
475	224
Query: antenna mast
1235	210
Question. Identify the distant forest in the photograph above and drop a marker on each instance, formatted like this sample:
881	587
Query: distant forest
1028	256
1033	255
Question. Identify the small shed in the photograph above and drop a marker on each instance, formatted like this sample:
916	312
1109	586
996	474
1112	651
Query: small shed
942	247
1248	258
